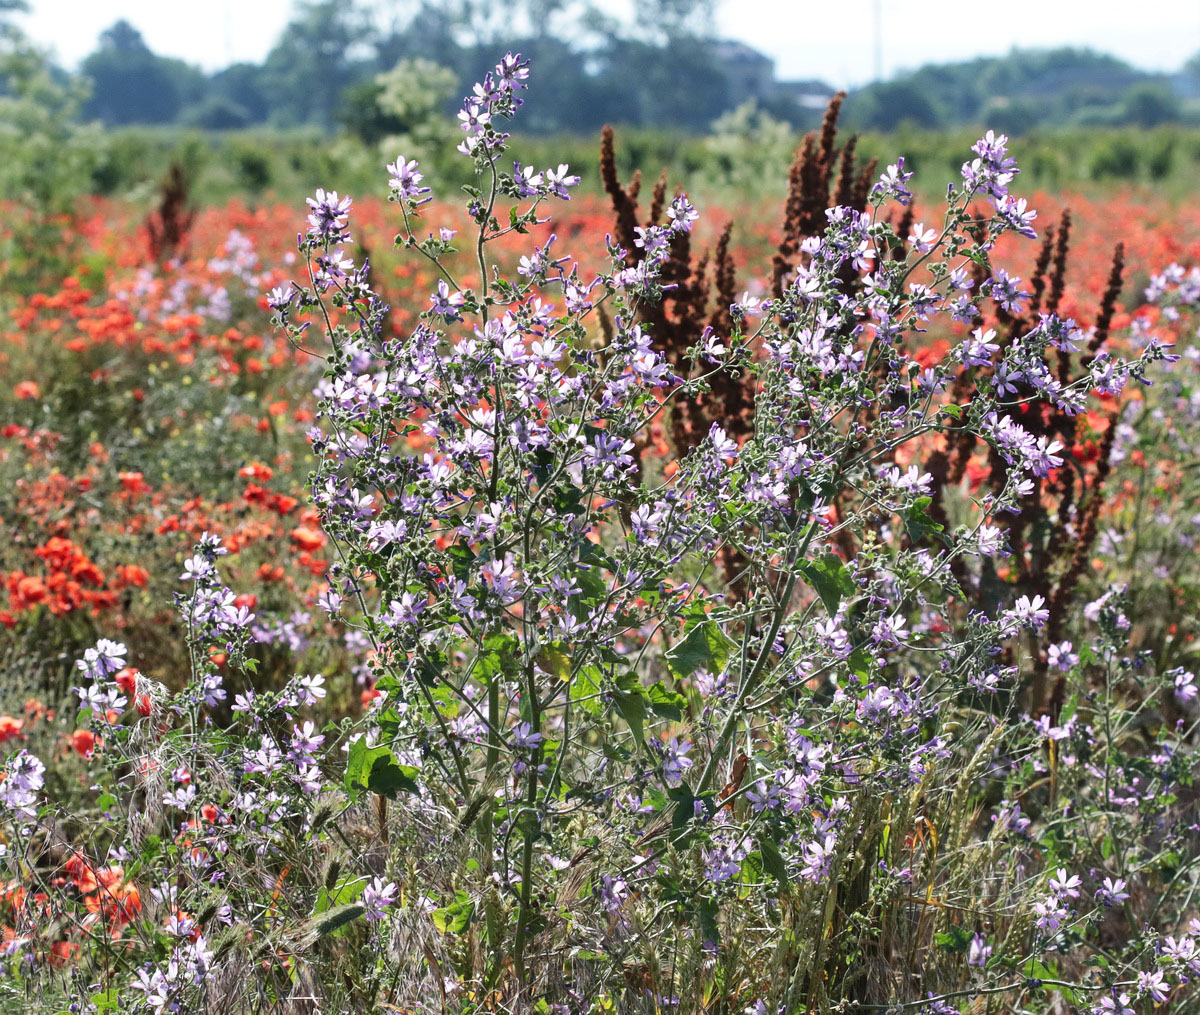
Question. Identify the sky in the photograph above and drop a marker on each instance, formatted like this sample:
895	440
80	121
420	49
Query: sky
807	38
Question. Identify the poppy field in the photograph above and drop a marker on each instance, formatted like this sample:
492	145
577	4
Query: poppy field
540	601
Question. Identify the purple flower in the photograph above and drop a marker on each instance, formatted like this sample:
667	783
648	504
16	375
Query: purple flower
104	660
197	568
329	216
977	350
1015	214
557	182
1185	687
721	863
893	184
979	952
280	298
1117	1004
681	214
722	445
330	601
310	689
676	761
473	117
1112	892
406	179
878	705
377	896
305	741
331	268
446	303
818	857
1050	914
1065	886
157	989
524	738
24	779
994	170
404	610
1061	656
1154	985
922	239
1006	290
1028	613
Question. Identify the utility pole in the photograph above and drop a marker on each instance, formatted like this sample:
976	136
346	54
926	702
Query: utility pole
228	36
878	39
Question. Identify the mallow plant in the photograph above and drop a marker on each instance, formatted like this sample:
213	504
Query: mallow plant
604	769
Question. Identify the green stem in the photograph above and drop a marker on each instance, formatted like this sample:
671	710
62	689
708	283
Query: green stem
531	825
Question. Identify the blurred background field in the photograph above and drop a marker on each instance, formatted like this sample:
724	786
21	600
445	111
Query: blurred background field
344	87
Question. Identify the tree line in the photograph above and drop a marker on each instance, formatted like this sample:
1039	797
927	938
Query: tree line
666	68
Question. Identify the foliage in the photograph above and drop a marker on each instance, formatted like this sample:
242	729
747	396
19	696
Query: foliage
404	107
45	156
664	68
814	646
313	62
129	84
1020	91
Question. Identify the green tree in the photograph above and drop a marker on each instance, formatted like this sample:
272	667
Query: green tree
1149	104
130	84
323	50
1188	78
46	159
892	103
667	21
406	104
242	84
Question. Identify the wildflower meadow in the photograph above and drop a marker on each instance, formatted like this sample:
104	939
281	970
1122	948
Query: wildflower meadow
580	600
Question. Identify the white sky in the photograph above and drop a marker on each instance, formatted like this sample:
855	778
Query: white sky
807	38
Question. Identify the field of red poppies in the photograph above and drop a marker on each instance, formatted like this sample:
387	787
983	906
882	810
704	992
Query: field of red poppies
155	416
147	401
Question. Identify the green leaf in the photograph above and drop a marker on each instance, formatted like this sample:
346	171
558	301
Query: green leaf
456	917
706	916
376	770
586	685
665	703
108	1000
919	524
447	703
772	861
828	575
706	647
685	805
554	660
956	939
568	500
461	559
594	587
861	664
346	889
500	655
632	706
1035	969
431	668
752	871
